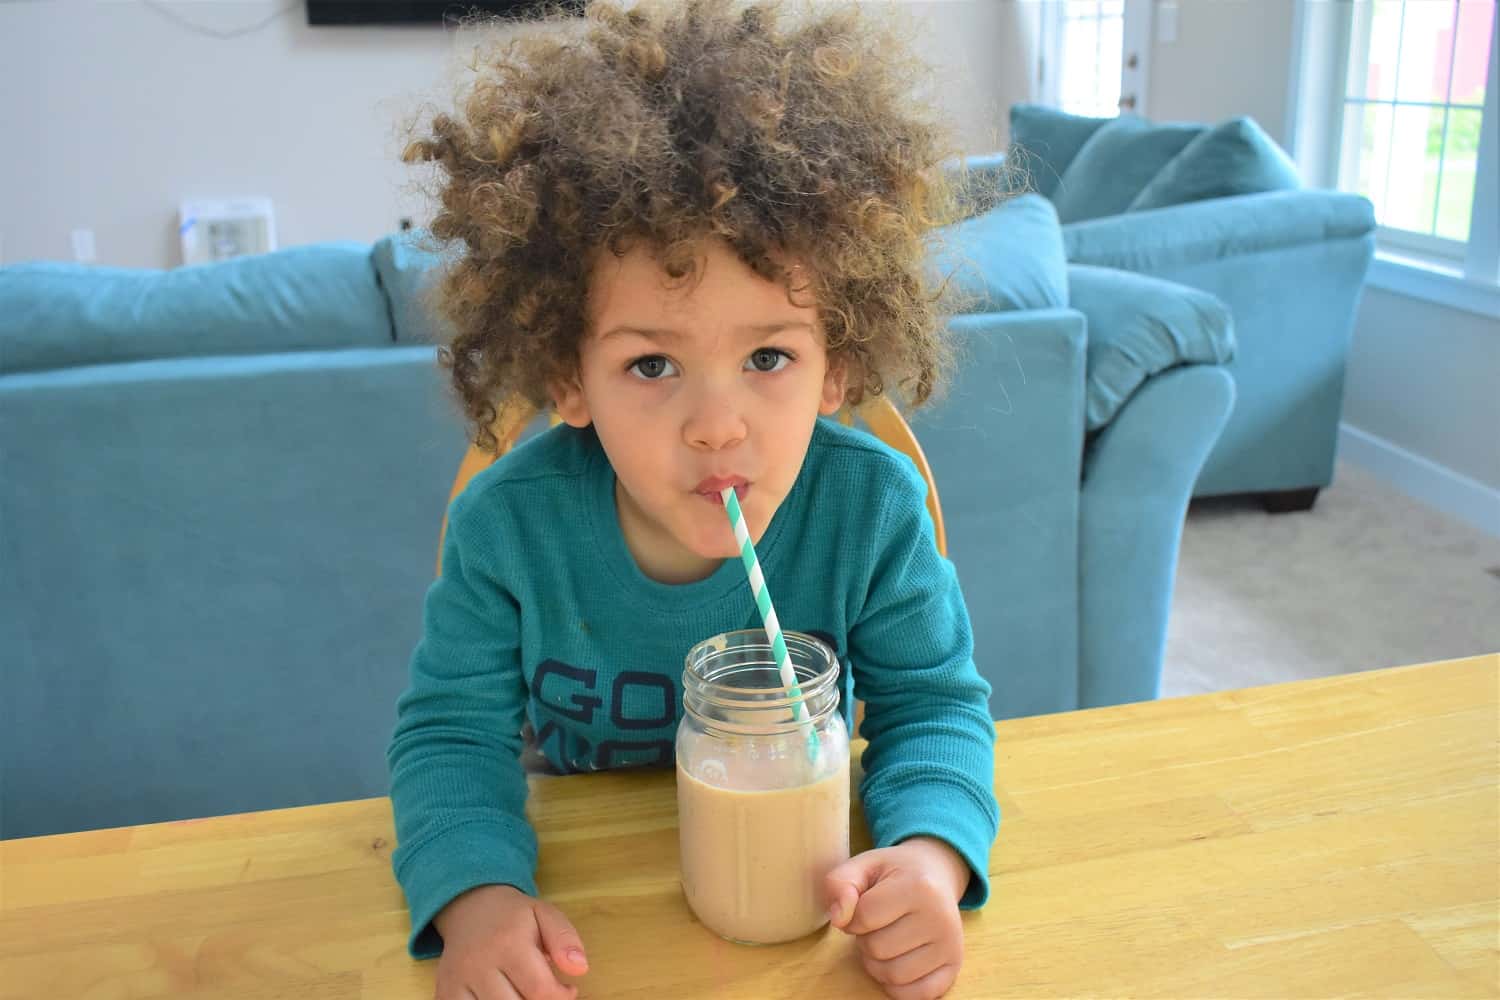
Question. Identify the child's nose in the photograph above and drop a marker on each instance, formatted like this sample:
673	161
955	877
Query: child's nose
714	423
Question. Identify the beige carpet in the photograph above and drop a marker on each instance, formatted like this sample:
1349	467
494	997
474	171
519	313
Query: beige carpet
1369	578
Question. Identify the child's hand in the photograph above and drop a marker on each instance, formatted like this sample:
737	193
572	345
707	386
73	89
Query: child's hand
496	942
902	904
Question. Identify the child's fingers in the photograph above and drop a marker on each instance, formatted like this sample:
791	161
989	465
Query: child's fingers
453	990
843	886
929	987
880	907
905	969
895	939
842	899
534	979
496	986
560	939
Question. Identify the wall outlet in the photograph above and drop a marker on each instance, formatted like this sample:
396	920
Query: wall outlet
83	246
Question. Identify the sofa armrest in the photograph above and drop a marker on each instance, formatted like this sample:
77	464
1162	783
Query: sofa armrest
1006	446
1162	239
1139	326
1017	398
1138	477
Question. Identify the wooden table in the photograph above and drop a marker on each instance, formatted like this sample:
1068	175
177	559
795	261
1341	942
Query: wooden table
1327	837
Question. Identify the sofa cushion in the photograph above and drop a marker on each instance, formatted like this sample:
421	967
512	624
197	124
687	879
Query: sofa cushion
316	297
1115	164
1232	158
1139	326
1046	140
1010	257
407	265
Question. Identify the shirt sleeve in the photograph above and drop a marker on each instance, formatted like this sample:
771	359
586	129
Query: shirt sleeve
929	769
458	790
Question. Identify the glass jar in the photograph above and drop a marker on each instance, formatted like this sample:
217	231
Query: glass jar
762	786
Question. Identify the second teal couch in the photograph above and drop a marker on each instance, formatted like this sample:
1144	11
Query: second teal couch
1220	209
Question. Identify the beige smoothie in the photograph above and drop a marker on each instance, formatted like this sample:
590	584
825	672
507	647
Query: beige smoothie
753	862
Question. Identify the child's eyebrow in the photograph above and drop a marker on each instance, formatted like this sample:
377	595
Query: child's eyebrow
668	334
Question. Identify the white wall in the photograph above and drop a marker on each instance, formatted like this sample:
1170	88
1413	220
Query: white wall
1425	379
113	113
126	113
1230	58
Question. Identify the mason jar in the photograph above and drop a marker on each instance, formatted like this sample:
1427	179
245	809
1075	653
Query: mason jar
762	786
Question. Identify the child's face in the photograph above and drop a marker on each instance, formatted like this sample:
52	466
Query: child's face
691	389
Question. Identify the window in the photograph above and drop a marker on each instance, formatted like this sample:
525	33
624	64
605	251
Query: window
1085	39
1413	103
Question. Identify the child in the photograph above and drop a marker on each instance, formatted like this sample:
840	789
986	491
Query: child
694	230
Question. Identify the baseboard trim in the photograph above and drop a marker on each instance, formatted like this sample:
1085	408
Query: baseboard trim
1423	479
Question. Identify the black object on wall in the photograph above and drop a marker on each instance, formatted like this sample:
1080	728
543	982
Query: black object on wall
345	12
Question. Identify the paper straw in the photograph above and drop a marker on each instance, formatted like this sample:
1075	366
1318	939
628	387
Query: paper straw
767	612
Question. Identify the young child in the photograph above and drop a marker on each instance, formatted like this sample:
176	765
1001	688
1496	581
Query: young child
696	230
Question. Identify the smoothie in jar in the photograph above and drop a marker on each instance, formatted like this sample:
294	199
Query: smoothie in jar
753	866
762	786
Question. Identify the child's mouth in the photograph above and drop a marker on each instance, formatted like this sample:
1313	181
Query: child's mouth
710	489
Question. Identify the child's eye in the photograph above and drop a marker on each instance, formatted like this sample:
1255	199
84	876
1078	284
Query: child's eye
651	367
769	359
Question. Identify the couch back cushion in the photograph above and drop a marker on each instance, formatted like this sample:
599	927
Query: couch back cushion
316	297
408	265
1114	165
1010	257
1232	158
1044	141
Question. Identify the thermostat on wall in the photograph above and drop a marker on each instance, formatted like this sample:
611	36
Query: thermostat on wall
220	229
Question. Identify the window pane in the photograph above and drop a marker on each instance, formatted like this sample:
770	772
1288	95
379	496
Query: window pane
1366	156
1461	156
1375	77
1113	8
1080	81
1426	51
1082	8
1416	151
1111	45
1471	63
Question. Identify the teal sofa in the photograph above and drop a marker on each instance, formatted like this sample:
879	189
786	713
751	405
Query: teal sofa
1220	209
222	488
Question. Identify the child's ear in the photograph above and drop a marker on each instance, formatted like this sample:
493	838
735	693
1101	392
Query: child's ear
567	399
835	387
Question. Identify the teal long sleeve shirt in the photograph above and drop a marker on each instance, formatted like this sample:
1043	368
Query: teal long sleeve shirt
541	615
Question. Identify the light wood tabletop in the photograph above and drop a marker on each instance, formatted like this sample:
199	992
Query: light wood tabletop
1333	837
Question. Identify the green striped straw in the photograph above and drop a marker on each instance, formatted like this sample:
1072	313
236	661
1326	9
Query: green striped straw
767	612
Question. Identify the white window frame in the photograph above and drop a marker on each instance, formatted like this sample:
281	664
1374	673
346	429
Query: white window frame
1460	275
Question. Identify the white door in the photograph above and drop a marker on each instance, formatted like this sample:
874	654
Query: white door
1094	56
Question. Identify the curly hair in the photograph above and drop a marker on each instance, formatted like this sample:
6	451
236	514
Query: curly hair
669	124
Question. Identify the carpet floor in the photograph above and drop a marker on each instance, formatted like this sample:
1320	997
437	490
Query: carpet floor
1368	578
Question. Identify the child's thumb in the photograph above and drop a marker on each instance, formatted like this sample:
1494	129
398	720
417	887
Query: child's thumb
560	940
844	885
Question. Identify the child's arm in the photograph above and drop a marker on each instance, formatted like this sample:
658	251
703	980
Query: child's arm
457	787
930	765
929	769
